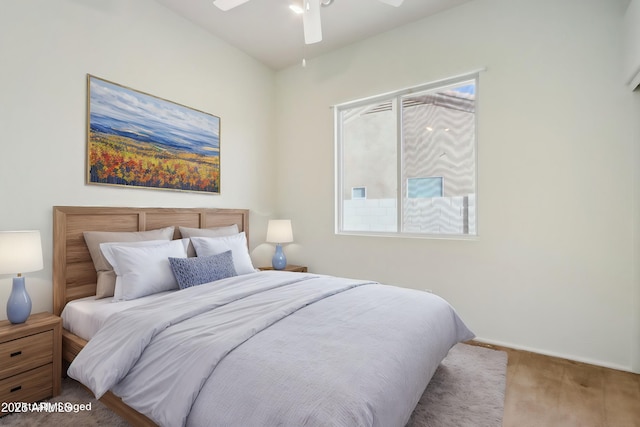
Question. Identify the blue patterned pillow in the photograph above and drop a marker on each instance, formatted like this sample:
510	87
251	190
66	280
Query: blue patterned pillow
198	270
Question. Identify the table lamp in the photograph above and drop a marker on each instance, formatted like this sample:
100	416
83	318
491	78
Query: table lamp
20	252
279	231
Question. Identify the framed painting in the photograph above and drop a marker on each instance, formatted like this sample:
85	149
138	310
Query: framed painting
139	140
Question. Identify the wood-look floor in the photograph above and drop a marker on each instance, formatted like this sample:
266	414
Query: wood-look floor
544	391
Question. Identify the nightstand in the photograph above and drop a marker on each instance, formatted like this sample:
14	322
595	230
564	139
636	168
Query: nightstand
289	267
30	358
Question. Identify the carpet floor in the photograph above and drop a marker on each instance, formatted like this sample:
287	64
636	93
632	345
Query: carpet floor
467	390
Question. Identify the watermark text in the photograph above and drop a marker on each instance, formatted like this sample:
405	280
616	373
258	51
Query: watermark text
44	407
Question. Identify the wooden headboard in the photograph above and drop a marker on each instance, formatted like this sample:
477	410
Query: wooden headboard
74	275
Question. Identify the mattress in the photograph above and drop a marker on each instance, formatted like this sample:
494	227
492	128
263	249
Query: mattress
85	316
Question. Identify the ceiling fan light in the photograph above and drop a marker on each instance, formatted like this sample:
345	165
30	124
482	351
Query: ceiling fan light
311	22
296	9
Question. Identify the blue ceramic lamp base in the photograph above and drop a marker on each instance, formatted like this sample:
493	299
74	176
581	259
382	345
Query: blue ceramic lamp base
19	304
279	261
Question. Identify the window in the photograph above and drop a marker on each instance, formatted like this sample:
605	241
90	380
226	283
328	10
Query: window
406	161
359	193
422	188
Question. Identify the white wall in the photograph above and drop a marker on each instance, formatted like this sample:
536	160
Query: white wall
631	43
48	47
553	269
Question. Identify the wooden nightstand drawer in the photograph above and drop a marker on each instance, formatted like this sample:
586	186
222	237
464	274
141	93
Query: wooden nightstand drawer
30	358
29	386
26	353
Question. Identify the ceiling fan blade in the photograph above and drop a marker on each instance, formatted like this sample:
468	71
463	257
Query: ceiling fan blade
395	3
311	21
228	4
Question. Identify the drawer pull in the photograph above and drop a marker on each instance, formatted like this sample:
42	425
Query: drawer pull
17	353
16	388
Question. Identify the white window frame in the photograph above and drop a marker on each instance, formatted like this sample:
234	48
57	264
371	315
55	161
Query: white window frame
338	159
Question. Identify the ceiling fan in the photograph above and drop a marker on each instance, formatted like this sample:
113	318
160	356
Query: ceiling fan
310	15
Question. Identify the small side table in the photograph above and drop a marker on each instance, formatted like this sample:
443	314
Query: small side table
30	358
289	267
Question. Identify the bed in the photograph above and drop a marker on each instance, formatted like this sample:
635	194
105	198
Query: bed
257	348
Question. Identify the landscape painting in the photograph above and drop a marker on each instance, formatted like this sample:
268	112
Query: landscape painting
139	140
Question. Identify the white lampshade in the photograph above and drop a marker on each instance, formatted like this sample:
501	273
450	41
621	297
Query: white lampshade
20	252
279	231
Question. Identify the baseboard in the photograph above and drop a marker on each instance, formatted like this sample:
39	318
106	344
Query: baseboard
554	354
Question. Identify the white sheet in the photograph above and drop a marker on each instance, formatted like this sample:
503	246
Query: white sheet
85	316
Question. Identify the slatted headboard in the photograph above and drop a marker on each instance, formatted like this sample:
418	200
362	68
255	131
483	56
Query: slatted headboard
74	275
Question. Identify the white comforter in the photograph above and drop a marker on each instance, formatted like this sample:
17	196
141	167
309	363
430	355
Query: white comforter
274	348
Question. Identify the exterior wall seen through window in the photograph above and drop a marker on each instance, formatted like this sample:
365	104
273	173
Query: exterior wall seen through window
415	153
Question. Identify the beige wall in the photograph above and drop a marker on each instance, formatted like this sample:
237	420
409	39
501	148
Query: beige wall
48	47
553	268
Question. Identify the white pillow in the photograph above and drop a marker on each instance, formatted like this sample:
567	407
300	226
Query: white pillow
206	246
106	283
228	230
143	270
188	232
107	278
